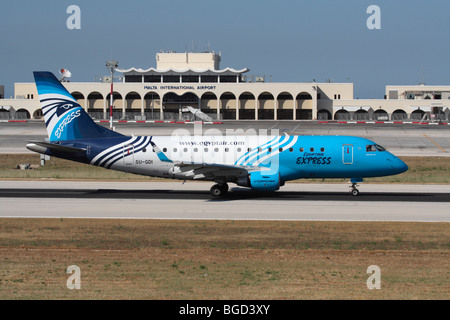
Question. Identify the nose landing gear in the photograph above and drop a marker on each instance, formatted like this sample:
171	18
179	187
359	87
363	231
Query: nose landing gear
353	190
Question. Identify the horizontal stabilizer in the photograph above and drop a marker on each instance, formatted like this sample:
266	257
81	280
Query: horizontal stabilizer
55	147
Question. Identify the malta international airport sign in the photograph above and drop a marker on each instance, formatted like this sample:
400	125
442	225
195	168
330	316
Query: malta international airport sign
166	87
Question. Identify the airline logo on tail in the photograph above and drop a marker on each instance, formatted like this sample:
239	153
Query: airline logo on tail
64	108
58	106
65	119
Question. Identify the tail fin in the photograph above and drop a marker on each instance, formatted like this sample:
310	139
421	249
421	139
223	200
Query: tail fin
64	118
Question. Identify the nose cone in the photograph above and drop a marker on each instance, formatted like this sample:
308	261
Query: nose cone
398	165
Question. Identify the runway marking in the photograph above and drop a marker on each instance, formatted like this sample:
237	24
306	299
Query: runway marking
293	130
443	150
272	127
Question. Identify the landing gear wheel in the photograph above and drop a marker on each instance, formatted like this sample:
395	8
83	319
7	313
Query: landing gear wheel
354	191
218	190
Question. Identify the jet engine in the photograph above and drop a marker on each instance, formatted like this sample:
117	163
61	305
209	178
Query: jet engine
261	181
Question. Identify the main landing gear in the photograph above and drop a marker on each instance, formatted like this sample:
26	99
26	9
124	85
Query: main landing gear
353	190
219	189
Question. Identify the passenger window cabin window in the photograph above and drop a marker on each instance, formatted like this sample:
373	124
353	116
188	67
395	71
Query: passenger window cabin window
291	149
301	149
281	149
164	149
216	149
311	149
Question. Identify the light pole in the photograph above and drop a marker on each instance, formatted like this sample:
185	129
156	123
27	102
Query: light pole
111	65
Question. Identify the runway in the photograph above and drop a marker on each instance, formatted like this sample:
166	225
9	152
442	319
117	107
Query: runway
172	200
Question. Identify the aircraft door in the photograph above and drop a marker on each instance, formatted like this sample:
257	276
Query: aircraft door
347	154
128	154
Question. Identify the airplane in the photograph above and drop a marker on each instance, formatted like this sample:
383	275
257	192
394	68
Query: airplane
258	162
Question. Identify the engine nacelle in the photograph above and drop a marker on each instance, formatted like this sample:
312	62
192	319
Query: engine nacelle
261	181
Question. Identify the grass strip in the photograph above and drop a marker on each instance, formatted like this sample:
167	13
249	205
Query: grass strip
422	170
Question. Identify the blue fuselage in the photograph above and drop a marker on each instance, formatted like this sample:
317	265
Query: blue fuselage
292	157
260	162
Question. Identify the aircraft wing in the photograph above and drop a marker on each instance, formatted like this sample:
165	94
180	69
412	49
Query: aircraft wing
212	171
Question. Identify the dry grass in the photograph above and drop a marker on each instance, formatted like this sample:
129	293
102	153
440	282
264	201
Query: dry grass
421	170
156	259
153	259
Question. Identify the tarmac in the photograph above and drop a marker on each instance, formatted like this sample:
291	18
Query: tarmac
174	200
294	201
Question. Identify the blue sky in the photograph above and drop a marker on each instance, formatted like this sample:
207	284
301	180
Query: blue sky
293	41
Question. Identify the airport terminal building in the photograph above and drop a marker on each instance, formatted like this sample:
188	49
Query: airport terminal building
193	86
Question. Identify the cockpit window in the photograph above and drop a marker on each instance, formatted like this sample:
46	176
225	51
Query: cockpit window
374	148
380	148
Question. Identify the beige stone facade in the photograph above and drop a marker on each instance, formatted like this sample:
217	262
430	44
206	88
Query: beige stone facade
196	80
